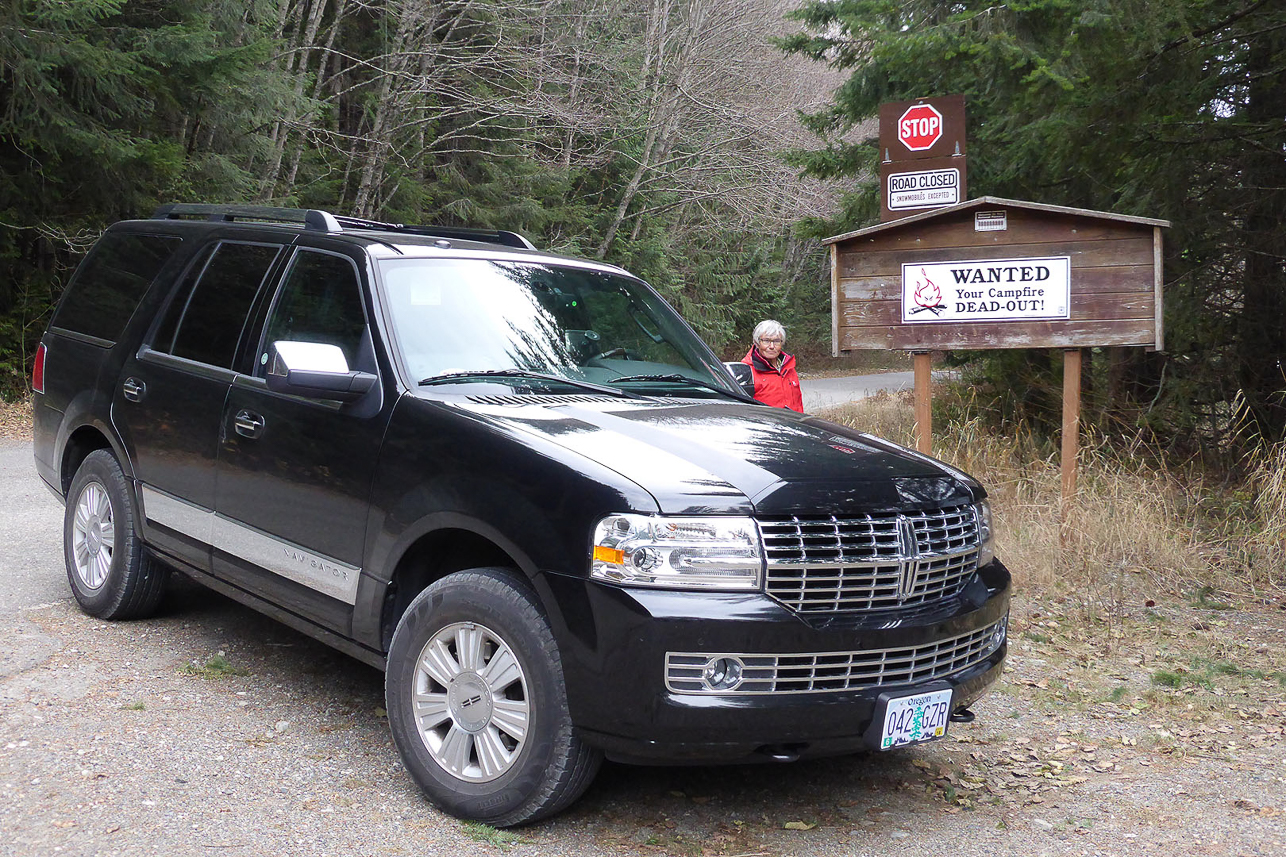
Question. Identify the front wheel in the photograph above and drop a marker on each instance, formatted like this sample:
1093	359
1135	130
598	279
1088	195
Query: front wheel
477	705
110	573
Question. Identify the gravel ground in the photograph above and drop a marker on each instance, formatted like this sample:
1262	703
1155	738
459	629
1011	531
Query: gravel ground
211	730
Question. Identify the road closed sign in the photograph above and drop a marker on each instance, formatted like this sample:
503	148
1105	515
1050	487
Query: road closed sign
986	290
923	189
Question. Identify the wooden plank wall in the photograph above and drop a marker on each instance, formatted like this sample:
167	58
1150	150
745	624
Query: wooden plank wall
1113	287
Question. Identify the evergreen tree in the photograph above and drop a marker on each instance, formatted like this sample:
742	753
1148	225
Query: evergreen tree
1163	108
106	108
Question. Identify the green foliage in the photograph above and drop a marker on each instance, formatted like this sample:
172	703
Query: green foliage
488	835
1160	108
534	117
106	108
217	666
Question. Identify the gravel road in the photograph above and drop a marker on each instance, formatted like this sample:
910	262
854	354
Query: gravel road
127	738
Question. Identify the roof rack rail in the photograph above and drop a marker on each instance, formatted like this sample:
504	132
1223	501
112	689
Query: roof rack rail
312	219
323	221
465	233
462	233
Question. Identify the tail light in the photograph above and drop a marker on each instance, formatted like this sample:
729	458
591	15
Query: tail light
38	370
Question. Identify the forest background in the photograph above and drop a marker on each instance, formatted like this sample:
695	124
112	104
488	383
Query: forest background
705	145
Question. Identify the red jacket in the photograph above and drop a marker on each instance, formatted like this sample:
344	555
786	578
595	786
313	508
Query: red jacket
776	387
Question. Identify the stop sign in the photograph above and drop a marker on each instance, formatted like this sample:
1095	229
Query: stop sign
920	127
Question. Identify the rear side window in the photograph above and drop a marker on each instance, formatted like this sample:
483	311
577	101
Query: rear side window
211	320
111	282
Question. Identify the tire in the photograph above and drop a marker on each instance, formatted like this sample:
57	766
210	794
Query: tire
110	573
491	738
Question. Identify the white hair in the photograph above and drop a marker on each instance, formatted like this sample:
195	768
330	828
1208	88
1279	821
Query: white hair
768	327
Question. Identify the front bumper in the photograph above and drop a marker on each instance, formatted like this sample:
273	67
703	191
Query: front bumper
818	679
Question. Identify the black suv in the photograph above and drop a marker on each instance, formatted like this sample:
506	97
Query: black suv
516	482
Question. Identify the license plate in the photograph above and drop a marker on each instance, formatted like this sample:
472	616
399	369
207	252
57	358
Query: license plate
913	719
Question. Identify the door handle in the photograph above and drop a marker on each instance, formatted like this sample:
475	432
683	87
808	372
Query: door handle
248	424
133	389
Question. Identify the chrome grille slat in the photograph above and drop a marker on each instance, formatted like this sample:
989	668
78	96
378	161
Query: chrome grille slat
832	672
828	565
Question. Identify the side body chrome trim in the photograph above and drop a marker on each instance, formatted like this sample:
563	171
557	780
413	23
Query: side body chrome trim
327	576
285	559
169	511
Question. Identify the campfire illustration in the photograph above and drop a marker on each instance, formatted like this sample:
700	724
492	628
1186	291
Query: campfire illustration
927	296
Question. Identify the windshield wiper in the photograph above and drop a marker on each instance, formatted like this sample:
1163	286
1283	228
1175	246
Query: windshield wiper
684	379
451	377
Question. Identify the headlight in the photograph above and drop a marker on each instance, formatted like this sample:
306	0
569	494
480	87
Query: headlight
678	553
986	544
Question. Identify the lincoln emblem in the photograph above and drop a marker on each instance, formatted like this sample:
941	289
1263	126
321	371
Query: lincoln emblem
910	566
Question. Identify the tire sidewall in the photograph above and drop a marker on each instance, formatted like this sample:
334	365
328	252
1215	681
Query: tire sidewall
499	606
101	468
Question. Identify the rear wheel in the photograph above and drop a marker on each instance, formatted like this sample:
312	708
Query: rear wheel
477	705
110	573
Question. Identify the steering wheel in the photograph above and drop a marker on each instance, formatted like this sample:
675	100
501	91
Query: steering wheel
623	353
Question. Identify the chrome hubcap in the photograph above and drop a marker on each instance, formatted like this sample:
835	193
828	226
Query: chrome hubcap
93	536
472	709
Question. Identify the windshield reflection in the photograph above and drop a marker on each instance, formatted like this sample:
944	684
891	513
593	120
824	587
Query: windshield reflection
476	315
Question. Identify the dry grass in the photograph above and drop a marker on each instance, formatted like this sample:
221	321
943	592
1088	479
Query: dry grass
1133	531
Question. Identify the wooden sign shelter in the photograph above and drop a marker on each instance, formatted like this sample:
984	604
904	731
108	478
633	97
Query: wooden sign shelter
999	273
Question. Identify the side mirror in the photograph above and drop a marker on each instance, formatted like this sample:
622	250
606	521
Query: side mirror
744	376
315	370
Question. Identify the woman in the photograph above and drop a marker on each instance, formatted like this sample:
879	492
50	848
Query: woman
776	381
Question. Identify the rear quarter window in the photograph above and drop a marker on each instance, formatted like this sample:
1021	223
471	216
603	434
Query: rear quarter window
211	321
111	281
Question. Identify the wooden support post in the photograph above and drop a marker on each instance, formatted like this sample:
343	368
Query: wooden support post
923	402
1071	433
835	298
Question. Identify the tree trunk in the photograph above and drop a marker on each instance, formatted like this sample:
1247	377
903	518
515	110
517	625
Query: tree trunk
1261	326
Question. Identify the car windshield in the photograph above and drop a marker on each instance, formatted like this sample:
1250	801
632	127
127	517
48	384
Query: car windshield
525	324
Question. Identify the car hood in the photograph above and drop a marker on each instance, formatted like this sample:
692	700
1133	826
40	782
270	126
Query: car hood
730	458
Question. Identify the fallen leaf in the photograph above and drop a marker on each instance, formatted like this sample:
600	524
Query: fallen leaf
799	825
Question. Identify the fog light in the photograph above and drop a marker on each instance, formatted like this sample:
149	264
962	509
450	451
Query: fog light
722	673
998	633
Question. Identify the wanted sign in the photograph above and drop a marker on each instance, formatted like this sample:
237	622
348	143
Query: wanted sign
986	290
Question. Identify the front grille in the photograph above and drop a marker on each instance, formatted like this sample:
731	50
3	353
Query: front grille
874	562
835	672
